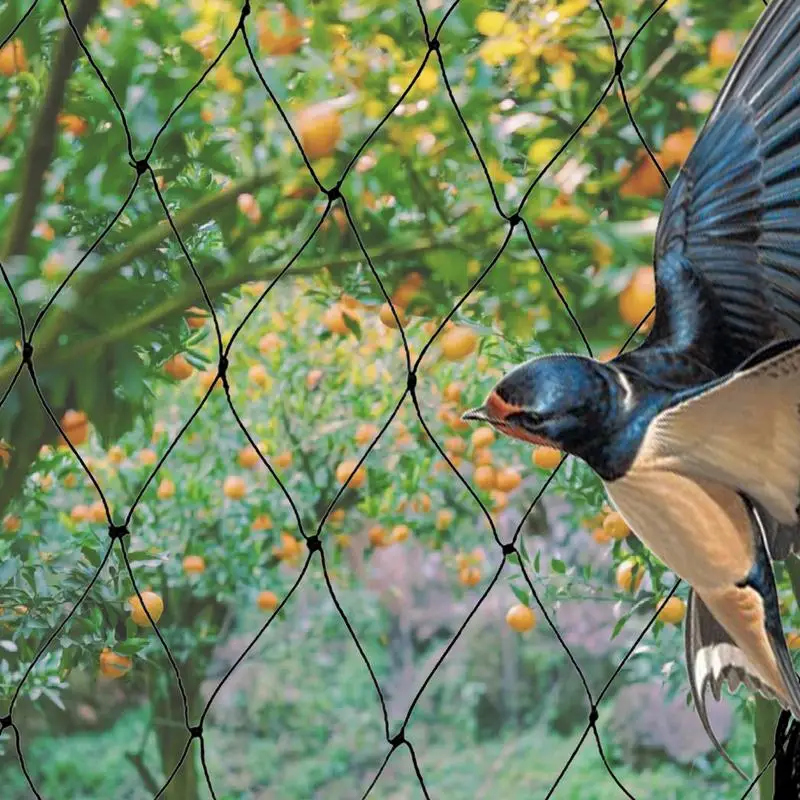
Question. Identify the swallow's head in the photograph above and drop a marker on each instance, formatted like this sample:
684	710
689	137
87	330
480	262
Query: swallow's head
557	401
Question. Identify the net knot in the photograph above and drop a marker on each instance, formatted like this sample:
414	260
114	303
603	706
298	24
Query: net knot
412	381
313	543
508	549
514	220
434	45
334	193
618	67
27	353
246	9
593	715
118	532
5	722
398	739
141	166
196	731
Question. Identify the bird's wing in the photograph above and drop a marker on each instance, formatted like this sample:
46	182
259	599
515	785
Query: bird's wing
727	249
742	431
712	660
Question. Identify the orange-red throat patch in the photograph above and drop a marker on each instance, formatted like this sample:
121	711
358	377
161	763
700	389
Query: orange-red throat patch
498	409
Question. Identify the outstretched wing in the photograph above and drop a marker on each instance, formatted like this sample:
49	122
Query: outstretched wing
727	249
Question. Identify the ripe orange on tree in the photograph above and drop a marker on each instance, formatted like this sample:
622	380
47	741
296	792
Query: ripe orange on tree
151	602
12	58
520	618
334	319
257	374
116	455
75	425
11	523
458	343
444	517
178	368
387	317
452	393
194	565
677	147
482	437
269	342
644	180
507	479
615	526
499	499
234	487
283	460
366	433
73	124
313	378
267	601
638	297
673	612
546	457
485	477
337	515
96	512
600	536
469	576
280	33
723	49
319	129
793	640
147	457
113	665
248	457
262	522
482	456
196	317
400	533
630	574
377	535
79	513
166	489
343	472
455	444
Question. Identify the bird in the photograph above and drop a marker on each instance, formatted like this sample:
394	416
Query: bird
695	434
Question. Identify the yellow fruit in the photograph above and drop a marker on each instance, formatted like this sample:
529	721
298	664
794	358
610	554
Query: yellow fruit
507	479
269	342
178	368
723	49
482	437
546	457
673	612
147	457
194	565
482	456
458	343
280	33
196	317
366	433
267	601
485	477
12	58
520	618
234	487
248	457
113	665
319	129
377	535
258	375
444	518
166	489
116	455
625	575
343	472
615	526
469	576
638	297
152	604
75	425
400	533
387	317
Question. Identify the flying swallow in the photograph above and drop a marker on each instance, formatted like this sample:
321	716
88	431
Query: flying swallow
696	433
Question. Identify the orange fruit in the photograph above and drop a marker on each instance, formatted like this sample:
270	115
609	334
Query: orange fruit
625	575
520	618
387	317
258	375
638	297
482	437
248	205
234	487
452	392
499	499
337	515
11	523
283	460
507	479
615	526
677	147
269	342
116	455
600	536
5	453
343	472
485	477
342	539
723	49
267	601
147	457
469	576
458	343
70	480
334	319
455	444
400	533
80	513
280	33
96	512
313	378
73	124
152	603
166	489
377	535
319	129
194	565
207	378
196	317
546	457
673	612
178	368
12	58
444	518
76	426
644	180
793	640
113	665
262	522
366	433
481	456
248	457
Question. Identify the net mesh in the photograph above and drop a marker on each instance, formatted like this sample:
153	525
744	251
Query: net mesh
119	531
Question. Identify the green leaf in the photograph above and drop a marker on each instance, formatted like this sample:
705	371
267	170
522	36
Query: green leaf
523	595
557	565
536	561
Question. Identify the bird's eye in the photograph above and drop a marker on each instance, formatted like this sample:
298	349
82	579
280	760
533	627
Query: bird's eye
524	419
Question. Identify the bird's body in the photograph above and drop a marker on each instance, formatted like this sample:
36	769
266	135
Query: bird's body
696	433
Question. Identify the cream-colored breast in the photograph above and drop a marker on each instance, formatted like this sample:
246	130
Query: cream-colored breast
699	529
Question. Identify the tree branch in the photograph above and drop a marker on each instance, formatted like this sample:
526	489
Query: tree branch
43	137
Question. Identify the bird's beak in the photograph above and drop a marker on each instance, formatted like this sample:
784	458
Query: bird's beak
479	414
